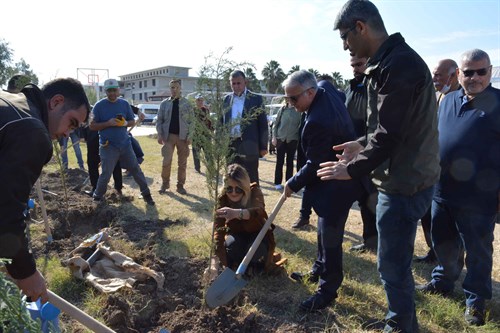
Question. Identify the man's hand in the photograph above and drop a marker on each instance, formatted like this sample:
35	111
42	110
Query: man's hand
287	191
34	287
141	115
351	150
333	170
160	140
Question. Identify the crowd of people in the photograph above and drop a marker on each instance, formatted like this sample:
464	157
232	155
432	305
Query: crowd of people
405	143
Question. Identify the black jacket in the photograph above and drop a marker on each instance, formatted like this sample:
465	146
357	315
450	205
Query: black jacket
25	147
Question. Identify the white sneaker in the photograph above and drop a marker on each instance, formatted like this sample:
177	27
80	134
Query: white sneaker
279	187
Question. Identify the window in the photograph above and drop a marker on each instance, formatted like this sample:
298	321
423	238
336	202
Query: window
140	96
140	84
133	96
153	82
145	96
145	83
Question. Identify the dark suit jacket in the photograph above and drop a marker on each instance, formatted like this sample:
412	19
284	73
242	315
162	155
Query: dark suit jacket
327	124
255	133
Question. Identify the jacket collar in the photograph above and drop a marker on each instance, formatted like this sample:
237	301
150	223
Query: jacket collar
35	96
386	47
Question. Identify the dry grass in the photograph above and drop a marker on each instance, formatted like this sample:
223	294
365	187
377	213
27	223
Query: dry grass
361	295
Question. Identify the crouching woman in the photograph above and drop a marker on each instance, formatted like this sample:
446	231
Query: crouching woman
239	218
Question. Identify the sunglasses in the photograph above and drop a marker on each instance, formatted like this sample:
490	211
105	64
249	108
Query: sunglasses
295	98
231	189
480	72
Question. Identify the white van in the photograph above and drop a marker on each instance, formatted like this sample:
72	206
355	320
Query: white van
149	110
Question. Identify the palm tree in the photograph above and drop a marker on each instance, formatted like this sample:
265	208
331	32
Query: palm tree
293	69
273	76
315	72
252	82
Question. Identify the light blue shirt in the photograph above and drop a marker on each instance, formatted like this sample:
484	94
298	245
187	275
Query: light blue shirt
238	102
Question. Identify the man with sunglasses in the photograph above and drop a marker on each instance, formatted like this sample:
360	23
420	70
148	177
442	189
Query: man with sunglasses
29	120
465	200
401	154
327	123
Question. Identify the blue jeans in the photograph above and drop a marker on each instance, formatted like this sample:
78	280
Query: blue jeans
397	217
110	155
76	147
455	230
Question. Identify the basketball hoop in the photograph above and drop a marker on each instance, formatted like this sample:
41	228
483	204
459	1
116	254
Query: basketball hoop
93	79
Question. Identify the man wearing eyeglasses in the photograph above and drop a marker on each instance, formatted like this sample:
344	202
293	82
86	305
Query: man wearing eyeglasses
465	200
401	155
327	123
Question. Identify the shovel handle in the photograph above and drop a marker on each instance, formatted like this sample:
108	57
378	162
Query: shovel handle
78	314
248	257
44	210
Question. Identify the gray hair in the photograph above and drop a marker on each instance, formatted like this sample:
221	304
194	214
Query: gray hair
359	10
475	55
301	78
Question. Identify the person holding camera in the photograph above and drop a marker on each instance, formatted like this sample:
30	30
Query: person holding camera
111	117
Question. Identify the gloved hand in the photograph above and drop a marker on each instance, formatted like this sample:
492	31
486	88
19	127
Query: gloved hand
121	122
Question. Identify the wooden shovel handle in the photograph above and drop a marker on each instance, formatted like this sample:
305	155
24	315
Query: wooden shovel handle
78	314
244	264
44	210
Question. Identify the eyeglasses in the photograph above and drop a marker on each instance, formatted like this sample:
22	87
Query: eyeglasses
344	35
480	72
231	189
295	98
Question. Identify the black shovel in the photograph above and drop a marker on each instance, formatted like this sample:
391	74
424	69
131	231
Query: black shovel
228	284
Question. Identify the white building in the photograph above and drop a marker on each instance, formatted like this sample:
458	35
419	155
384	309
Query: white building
152	85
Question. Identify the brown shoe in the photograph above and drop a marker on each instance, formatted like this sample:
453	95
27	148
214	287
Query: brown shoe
300	223
181	190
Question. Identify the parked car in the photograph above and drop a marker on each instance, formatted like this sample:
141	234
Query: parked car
150	111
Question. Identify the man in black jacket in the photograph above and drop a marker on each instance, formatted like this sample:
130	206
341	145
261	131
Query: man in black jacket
28	122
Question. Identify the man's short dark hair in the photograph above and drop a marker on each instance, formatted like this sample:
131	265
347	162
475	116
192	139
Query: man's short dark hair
178	81
237	73
359	10
71	89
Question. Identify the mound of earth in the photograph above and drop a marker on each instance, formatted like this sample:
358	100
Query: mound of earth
179	307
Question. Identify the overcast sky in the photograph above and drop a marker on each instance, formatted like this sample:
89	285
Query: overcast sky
56	37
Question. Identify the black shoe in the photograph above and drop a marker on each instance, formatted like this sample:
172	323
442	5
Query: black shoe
474	317
429	258
98	200
430	288
148	199
300	223
362	248
89	193
164	188
316	302
181	189
310	277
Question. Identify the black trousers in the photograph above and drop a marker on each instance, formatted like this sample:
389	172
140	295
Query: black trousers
283	149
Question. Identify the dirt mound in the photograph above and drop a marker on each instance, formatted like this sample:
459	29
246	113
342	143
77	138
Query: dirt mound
179	307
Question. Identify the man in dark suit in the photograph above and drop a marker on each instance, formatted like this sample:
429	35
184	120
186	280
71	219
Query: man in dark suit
249	131
327	121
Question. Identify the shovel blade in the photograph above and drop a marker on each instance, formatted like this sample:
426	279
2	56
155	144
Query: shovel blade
225	288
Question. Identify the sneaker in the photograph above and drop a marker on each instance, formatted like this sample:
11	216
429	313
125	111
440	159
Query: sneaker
181	190
300	223
473	316
90	193
279	187
97	199
148	199
430	288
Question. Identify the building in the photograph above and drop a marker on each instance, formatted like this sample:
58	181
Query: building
152	85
